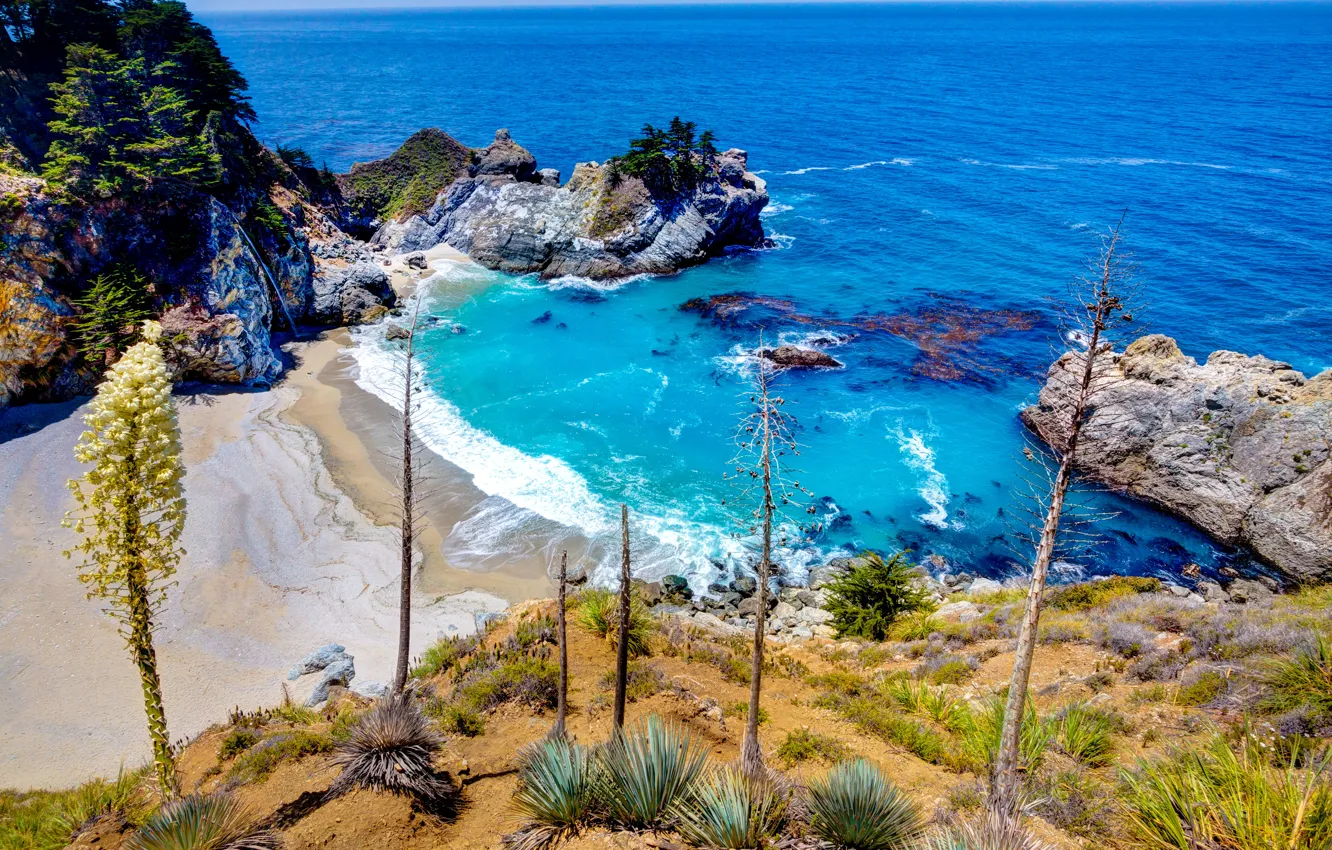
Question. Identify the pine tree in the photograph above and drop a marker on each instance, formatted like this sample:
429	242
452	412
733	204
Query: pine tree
120	128
113	311
131	511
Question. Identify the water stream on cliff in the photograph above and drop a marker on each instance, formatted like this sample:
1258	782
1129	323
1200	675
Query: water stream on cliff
937	174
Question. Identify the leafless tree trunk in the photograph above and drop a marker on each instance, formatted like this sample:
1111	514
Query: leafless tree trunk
562	697
1096	312
751	755
407	505
622	645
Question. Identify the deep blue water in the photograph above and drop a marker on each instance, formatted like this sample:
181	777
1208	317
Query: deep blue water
961	157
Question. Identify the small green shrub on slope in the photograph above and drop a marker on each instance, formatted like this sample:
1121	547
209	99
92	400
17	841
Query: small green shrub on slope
866	600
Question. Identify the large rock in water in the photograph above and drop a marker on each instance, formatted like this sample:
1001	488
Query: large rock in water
1238	445
507	215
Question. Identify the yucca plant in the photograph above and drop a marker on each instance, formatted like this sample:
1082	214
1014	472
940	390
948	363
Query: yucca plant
1304	679
857	807
1228	797
645	770
1084	734
980	738
554	793
598	611
732	809
391	748
214	822
993	830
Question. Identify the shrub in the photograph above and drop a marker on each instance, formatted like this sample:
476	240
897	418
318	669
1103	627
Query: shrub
1304	680
533	631
256	763
866	600
47	820
1216	796
530	681
215	822
1149	693
444	654
391	748
784	666
858	807
838	682
875	718
1074	802
647	770
733	810
1127	639
111	313
642	681
1205	687
740	708
455	719
554	793
598	611
917	697
980	738
237	741
949	671
1091	594
1085	734
801	745
915	625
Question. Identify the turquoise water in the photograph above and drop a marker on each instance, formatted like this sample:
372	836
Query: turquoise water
958	159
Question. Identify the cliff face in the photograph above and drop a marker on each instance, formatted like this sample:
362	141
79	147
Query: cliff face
509	215
209	268
1240	446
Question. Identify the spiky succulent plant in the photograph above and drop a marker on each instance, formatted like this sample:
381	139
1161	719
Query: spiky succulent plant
212	822
857	807
646	769
733	809
554	793
392	748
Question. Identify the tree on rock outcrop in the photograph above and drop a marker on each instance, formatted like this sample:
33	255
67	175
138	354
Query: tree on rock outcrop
131	511
1098	309
763	438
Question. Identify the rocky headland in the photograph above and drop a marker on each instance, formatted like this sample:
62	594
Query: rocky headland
507	214
1240	446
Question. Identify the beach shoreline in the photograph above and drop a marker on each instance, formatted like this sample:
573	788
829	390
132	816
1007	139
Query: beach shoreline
291	543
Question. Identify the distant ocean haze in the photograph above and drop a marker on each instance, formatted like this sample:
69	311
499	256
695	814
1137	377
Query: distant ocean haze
923	161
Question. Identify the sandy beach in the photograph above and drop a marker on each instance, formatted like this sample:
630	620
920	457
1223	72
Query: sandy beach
291	543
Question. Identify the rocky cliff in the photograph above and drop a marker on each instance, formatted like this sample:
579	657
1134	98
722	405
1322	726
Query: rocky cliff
509	215
1241	446
216	273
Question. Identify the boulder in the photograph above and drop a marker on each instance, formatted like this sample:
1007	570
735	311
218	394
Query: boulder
504	158
957	610
347	295
416	260
745	585
1212	592
339	673
814	616
791	356
676	588
1236	445
396	332
985	585
549	177
317	660
1245	591
783	610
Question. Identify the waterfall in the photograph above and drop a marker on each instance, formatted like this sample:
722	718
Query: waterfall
272	282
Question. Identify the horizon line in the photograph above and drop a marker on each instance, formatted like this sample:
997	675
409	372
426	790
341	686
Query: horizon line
207	6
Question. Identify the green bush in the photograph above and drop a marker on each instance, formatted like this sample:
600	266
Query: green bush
867	599
856	806
408	180
111	313
874	717
732	810
1224	797
530	681
1205	687
199	823
442	656
740	708
951	672
237	741
647	770
47	820
1305	679
642	681
1085	734
980	737
554	793
598	611
256	763
454	719
801	745
1092	594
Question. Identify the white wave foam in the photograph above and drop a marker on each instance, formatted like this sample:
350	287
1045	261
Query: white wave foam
902	160
1079	225
933	486
782	240
1138	161
809	169
866	165
1011	166
775	209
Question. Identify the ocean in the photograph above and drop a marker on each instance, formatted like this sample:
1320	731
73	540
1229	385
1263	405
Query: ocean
924	162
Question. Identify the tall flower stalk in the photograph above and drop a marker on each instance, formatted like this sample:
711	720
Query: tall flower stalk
131	511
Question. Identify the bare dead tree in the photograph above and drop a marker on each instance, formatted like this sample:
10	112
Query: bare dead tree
407	504
1099	307
622	645
562	694
764	436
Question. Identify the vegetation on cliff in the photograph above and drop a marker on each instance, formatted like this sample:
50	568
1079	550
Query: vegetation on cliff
670	160
407	181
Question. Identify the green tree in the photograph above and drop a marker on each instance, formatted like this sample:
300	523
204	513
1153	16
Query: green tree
673	159
131	511
113	310
866	599
119	128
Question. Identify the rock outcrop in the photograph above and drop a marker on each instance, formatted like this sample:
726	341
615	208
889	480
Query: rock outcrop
215	276
1241	446
794	357
508	215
